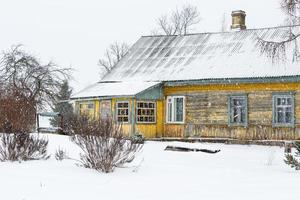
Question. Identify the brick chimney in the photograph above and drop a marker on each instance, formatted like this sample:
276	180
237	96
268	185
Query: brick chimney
238	20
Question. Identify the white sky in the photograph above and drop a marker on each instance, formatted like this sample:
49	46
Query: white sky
76	32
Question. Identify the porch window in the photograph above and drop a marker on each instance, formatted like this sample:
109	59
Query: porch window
87	108
283	110
123	111
175	109
146	112
238	113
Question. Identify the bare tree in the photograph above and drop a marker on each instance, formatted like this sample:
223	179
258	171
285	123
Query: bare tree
276	50
113	54
24	73
180	22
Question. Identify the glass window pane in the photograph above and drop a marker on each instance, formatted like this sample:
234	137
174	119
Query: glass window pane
238	110
280	115
235	115
289	101
169	112
179	109
278	101
288	117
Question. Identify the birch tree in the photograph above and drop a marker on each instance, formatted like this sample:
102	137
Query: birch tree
276	50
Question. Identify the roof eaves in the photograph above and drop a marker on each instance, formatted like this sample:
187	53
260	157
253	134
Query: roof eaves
274	79
100	97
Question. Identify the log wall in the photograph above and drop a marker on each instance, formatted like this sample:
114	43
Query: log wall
207	112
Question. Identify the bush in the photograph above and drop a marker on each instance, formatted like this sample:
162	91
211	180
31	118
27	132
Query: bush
291	160
103	144
61	154
22	147
138	138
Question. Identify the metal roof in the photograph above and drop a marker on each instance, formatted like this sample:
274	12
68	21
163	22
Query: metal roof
114	89
234	54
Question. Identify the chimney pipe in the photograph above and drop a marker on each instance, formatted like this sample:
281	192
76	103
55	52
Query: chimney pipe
238	20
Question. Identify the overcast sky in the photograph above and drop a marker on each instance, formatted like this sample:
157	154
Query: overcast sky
76	32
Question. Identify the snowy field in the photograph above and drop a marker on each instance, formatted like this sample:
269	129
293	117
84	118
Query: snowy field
236	173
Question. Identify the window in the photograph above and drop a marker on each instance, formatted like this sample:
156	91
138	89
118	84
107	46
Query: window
105	109
146	112
283	110
90	106
123	111
238	113
175	109
87	108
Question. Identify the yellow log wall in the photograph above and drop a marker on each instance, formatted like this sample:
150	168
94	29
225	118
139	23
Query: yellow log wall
207	111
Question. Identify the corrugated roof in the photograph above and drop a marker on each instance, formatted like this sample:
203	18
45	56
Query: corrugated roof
233	54
109	89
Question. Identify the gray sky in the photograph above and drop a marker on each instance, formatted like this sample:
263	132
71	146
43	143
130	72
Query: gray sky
76	32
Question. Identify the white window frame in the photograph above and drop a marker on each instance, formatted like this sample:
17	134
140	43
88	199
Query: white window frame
117	116
154	122
172	121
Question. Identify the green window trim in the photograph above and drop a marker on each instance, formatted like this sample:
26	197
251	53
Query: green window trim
230	112
286	95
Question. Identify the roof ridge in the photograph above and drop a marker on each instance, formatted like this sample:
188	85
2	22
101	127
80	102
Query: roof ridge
219	32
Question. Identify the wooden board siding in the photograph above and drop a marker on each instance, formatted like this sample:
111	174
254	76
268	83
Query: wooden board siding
149	130
207	111
174	130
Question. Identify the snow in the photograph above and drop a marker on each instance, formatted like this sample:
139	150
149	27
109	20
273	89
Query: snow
55	30
109	89
234	54
237	172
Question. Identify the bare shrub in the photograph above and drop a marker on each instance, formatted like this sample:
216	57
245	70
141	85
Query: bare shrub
22	147
61	154
104	146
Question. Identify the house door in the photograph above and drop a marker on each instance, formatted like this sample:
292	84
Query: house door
105	109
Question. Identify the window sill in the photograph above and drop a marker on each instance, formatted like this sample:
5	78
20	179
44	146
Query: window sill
283	125
145	123
238	125
123	122
175	123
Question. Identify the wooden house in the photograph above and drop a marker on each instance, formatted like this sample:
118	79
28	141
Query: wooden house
202	85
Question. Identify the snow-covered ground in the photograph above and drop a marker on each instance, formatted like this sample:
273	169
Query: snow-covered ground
237	172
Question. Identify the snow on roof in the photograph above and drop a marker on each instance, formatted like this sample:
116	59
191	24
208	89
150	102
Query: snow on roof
234	54
109	89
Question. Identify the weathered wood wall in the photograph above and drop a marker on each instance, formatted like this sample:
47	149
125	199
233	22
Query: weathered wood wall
207	112
149	130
